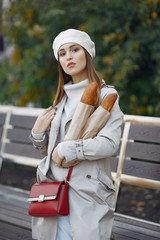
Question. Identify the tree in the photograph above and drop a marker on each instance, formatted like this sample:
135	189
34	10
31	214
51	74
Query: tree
127	49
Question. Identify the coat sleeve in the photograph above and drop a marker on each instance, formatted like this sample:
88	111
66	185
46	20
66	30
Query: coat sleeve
105	144
40	144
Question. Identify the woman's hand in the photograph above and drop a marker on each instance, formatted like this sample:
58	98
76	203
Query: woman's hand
55	157
44	119
70	164
62	162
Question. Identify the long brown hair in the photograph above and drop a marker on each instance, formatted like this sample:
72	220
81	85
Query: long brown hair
92	77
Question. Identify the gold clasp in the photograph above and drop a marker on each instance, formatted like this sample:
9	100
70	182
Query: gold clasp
41	198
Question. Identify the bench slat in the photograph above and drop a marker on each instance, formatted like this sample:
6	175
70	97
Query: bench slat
12	232
127	232
2	118
19	135
144	133
143	151
1	131
23	150
142	169
113	164
22	121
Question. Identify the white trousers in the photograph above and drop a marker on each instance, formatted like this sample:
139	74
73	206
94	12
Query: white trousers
64	229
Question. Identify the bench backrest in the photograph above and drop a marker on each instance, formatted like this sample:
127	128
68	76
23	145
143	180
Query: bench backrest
137	161
139	155
2	122
16	145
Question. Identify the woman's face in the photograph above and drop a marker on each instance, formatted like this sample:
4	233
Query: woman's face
73	61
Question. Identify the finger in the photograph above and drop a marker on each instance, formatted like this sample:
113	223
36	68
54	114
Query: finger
66	165
58	165
57	160
51	113
51	108
46	111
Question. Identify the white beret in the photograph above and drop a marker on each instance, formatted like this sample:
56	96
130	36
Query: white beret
73	36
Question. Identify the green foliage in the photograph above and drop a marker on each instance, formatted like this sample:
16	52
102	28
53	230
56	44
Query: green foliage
127	49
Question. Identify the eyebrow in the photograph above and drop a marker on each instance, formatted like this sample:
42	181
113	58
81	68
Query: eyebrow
62	49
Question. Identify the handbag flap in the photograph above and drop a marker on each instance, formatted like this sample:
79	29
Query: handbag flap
44	191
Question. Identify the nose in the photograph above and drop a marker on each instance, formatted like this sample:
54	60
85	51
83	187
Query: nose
68	55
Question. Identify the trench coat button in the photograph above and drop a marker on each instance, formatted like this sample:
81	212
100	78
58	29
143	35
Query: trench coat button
88	176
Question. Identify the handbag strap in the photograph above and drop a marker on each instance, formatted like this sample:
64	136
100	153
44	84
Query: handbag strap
69	174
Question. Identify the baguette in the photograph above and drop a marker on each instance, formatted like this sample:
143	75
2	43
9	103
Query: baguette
89	93
109	101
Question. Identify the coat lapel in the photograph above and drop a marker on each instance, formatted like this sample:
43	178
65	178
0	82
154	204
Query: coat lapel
55	125
57	119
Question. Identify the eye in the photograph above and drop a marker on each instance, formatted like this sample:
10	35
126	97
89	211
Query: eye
75	49
61	54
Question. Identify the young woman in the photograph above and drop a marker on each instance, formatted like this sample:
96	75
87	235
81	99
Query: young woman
91	193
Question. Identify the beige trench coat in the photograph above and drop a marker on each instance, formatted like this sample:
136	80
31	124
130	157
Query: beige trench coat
91	193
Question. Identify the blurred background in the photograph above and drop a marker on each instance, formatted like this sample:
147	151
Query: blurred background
127	49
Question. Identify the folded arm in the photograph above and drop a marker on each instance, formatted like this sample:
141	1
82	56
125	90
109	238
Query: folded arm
105	144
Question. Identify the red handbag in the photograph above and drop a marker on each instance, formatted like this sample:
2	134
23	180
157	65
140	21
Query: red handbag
50	199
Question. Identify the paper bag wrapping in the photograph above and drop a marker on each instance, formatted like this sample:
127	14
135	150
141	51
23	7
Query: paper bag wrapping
81	115
95	123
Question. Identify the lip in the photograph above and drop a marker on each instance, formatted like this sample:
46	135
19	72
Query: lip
71	64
